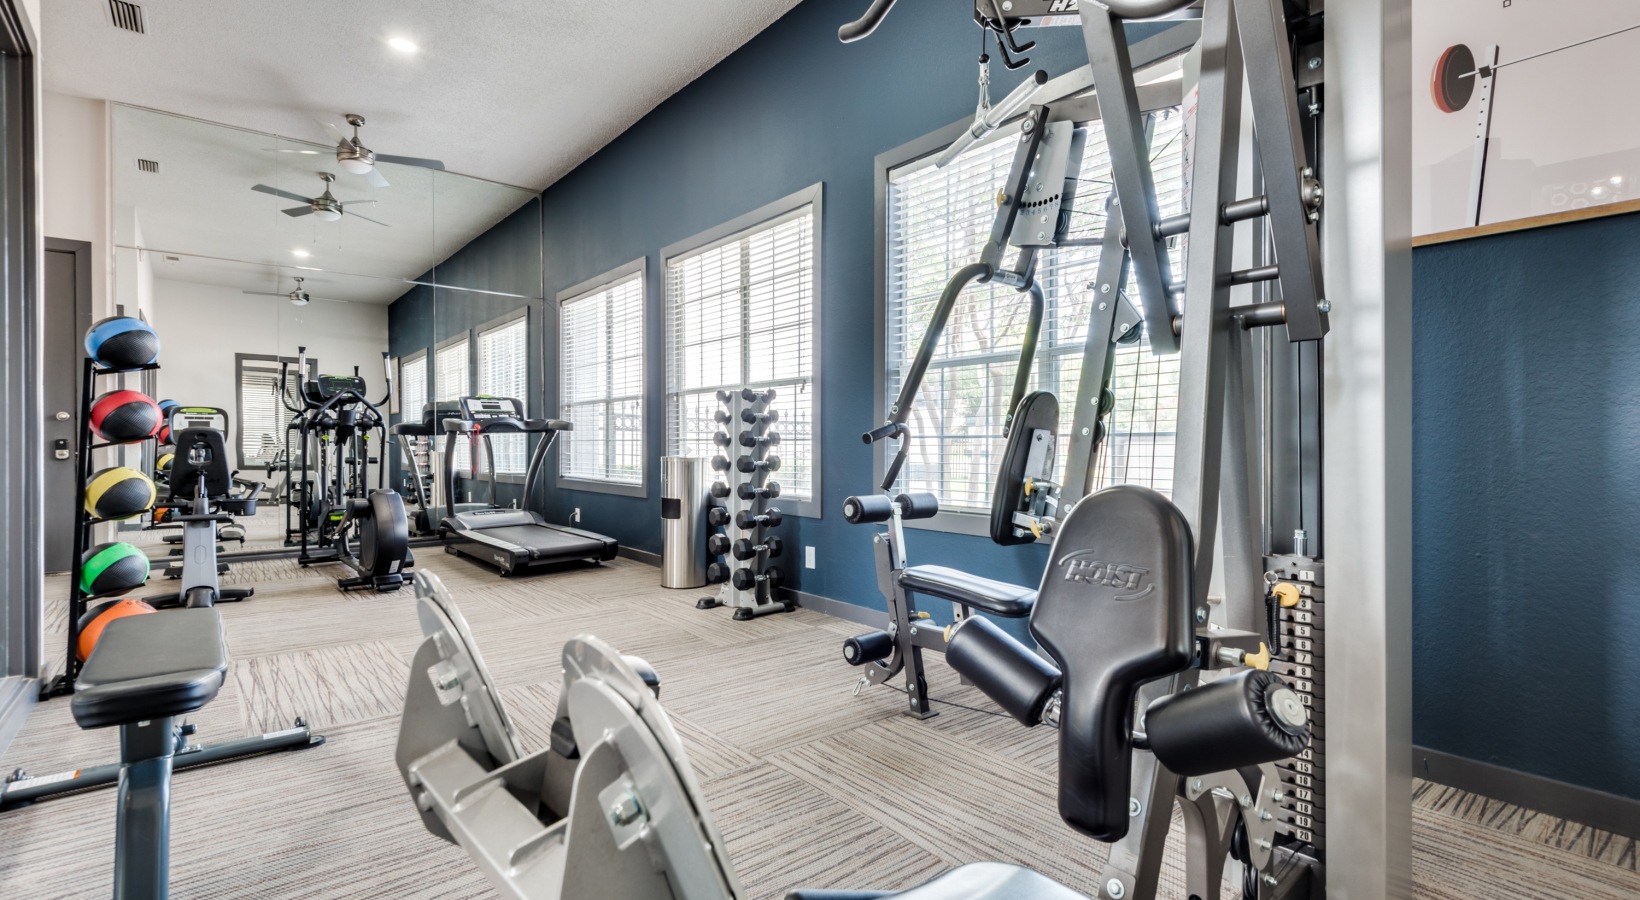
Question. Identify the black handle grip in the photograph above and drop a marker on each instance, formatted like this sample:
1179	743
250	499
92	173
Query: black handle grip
867	23
881	432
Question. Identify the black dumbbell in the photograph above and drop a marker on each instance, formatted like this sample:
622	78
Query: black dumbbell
722	438
717	516
771	578
726	396
721	463
719	544
766	439
745	549
719	489
721	417
746	520
760	418
751	396
748	465
717	573
767	492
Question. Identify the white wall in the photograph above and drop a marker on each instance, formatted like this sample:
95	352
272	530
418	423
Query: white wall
75	196
202	326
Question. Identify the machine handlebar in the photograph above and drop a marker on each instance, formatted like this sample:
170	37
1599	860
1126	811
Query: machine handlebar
867	23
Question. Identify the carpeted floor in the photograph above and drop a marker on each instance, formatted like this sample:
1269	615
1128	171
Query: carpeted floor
812	786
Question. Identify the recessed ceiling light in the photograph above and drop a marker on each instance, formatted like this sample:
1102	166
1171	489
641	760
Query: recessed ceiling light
299	254
403	45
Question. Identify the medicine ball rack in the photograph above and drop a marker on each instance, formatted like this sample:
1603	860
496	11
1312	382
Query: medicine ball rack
63	684
741	506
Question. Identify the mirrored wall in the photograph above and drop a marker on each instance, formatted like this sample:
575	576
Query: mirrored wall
248	251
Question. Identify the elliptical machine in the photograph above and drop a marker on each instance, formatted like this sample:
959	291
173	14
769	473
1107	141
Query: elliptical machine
344	520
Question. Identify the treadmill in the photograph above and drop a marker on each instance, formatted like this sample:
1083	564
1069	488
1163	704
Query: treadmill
509	539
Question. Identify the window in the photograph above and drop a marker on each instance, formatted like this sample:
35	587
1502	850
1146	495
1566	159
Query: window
601	351
412	387
262	417
740	311
452	371
504	371
938	221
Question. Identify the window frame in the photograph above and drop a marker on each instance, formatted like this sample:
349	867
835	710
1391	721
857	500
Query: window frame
475	333
466	335
280	412
1069	105
640	266
426	359
812	196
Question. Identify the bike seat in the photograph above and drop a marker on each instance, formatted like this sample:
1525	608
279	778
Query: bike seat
975	881
152	667
1011	601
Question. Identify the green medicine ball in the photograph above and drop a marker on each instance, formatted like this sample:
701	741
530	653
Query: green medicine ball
109	570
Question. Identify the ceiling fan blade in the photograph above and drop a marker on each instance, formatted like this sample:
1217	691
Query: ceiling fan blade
410	161
373	221
342	143
354	202
263	293
329	299
298	211
374	176
265	189
308	152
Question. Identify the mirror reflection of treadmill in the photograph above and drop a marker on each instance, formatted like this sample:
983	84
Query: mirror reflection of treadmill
509	539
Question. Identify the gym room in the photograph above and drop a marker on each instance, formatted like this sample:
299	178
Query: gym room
820	449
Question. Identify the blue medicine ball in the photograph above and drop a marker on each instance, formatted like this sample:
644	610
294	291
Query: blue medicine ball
122	342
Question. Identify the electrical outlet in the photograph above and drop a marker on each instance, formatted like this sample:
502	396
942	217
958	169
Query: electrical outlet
575	515
808	557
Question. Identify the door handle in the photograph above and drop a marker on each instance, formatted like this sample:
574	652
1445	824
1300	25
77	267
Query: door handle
59	448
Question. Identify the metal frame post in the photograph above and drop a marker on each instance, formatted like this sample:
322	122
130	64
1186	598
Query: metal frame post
1367	394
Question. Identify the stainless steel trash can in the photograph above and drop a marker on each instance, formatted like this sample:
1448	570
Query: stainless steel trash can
683	522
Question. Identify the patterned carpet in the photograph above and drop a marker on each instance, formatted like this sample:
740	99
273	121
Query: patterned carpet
812	786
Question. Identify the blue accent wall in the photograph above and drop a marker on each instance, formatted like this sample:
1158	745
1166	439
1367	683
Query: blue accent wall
1526	515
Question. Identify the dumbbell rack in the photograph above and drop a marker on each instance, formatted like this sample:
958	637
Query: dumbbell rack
63	684
750	586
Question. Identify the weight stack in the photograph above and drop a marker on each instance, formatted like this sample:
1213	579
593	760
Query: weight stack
1303	664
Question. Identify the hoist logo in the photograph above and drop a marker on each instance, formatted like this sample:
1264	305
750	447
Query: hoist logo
1084	567
1059	6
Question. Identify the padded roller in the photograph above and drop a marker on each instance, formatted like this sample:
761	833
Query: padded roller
918	506
868	647
867	509
1246	719
1006	670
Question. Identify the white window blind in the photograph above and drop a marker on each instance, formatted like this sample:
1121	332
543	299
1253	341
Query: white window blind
412	387
740	313
938	222
452	372
261	419
504	371
601	351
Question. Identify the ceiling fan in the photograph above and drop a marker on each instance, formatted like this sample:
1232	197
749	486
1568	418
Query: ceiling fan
326	207
354	157
298	296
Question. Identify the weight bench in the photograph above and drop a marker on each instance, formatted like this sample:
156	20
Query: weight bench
889	652
145	673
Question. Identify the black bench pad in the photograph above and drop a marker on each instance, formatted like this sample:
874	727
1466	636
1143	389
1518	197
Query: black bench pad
151	667
975	881
1011	601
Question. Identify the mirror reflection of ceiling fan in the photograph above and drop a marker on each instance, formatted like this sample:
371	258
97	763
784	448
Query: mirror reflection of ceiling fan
298	296
354	157
325	206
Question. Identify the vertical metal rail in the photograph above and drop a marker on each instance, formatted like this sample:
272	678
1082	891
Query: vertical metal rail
1367	391
1097	356
1135	185
1134	866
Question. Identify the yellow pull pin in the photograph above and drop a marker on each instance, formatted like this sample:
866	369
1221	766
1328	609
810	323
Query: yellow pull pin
1259	660
923	615
1287	593
1036	529
1030	485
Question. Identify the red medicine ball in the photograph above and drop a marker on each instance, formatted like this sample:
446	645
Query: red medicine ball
121	417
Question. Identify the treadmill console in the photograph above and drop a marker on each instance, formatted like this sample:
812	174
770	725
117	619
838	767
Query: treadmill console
479	408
